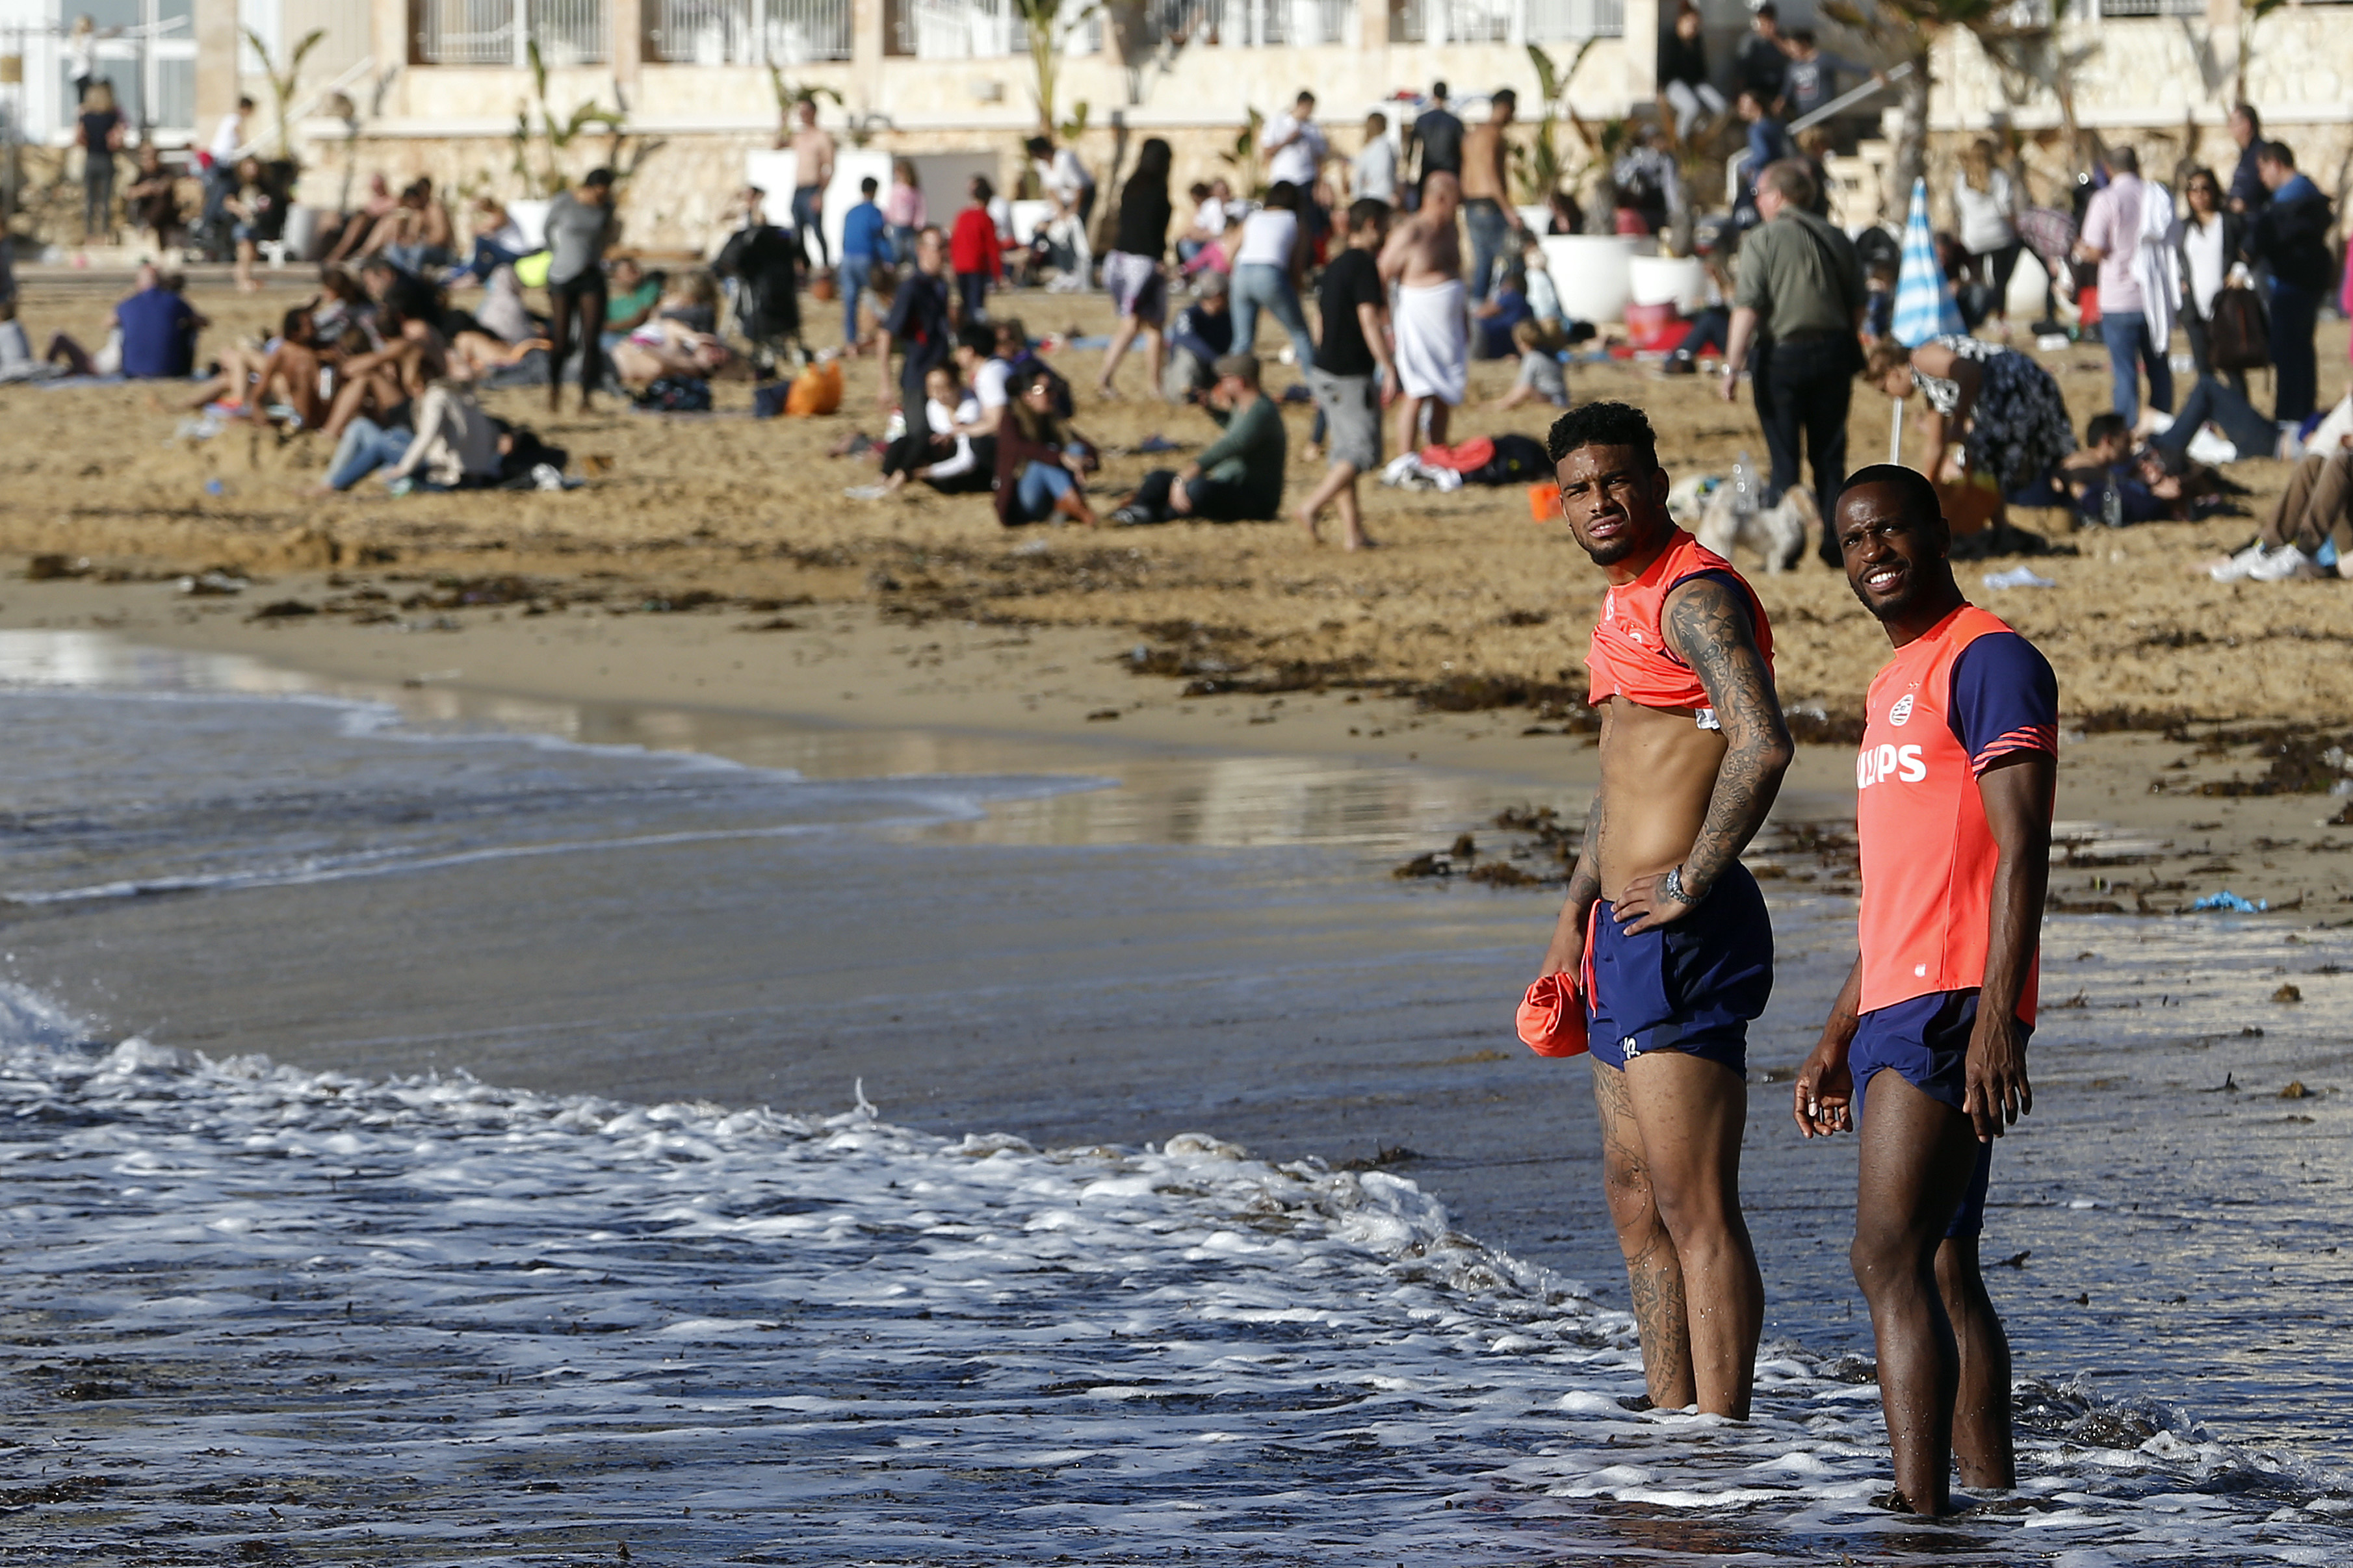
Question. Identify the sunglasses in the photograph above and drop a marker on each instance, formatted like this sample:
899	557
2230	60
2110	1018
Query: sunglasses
1043	389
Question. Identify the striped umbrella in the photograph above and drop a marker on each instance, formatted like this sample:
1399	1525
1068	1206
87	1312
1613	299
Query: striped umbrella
1924	301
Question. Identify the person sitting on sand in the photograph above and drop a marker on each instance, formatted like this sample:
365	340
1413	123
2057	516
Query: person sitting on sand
2311	516
1541	378
359	227
1203	334
977	364
16	360
1238	477
296	362
499	242
376	385
1041	460
452	441
948	461
154	198
159	328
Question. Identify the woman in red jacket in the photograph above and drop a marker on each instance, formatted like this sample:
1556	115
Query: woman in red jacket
972	251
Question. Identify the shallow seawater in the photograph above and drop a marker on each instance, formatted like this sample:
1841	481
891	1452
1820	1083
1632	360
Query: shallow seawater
501	1261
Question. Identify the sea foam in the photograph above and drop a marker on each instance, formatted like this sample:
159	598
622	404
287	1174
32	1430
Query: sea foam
253	1309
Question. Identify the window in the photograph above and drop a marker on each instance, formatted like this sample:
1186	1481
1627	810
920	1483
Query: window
484	32
748	32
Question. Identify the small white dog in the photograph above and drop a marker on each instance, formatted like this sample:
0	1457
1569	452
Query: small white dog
1703	503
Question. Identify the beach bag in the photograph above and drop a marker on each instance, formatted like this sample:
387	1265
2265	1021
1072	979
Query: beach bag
1515	459
2238	337
819	391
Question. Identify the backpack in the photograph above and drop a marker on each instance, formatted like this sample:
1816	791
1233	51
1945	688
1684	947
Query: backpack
1517	460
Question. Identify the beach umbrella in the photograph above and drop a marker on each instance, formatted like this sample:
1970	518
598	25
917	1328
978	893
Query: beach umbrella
1924	301
1925	306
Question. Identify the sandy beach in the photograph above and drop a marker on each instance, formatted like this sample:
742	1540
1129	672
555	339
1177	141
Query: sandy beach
716	561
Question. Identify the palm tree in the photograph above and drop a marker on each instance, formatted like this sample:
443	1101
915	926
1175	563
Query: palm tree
2017	34
283	84
1049	24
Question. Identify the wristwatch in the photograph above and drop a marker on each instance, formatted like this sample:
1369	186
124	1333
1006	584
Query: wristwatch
1671	886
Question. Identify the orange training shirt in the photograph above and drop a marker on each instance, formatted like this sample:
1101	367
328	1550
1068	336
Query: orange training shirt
1930	727
1630	656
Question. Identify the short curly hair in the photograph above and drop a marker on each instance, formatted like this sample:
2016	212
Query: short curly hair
1602	425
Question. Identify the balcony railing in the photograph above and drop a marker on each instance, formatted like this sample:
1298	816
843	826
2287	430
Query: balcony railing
748	32
1504	21
970	30
486	32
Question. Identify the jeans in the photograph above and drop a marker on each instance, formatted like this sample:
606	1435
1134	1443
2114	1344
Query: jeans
972	288
808	223
1041	485
2295	368
1257	286
902	244
98	192
2250	432
1687	99
1803	386
488	259
365	448
2126	335
854	272
1709	329
1491	236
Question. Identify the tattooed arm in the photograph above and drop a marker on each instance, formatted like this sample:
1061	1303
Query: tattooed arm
1707	625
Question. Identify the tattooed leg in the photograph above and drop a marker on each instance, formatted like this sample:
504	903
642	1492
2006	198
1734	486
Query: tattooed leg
1689	1113
1654	1276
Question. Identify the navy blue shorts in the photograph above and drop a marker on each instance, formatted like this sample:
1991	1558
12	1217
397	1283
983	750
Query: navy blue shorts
1692	986
1926	1039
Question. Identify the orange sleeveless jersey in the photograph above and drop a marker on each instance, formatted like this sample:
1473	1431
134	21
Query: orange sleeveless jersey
1929	856
1630	656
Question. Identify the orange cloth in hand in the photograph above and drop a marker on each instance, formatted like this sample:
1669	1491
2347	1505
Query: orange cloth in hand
1552	1018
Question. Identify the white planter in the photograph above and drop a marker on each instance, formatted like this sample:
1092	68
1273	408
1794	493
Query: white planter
1677	280
1591	272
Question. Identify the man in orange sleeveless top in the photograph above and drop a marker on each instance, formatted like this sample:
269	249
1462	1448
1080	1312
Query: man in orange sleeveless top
1954	782
1669	932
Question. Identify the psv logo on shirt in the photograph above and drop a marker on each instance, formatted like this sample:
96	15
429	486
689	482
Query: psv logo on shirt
1878	765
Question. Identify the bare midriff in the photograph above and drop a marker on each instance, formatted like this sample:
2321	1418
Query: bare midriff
1658	771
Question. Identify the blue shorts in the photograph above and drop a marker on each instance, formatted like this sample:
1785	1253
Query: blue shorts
1690	987
1926	1039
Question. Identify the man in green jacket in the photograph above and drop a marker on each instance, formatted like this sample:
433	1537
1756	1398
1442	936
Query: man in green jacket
1238	477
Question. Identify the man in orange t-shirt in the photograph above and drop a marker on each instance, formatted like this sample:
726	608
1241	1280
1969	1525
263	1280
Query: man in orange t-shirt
1955	784
1670	931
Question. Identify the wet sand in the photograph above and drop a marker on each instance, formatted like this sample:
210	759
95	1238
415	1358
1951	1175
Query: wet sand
2201	717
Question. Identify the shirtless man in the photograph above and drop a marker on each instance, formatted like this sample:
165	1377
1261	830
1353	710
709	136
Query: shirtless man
414	355
1423	259
1672	931
292	363
1486	199
1954	797
813	171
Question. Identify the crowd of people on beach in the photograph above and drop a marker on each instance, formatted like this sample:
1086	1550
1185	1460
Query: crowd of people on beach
1386	274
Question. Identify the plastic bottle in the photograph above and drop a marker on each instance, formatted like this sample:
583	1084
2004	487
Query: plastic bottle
2112	505
1744	486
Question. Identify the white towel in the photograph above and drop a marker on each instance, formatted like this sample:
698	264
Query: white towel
2156	263
1433	341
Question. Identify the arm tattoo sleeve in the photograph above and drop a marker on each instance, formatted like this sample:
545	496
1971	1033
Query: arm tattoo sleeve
1708	627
